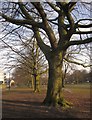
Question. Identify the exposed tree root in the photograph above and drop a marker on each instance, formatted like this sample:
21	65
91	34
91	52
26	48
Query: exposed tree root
59	102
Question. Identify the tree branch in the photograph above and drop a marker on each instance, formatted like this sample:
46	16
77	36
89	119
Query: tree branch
83	26
45	48
71	5
23	10
17	21
47	27
82	32
23	22
40	9
74	62
72	24
76	42
53	7
65	7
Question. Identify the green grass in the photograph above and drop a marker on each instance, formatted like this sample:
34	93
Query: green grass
3	86
75	88
79	88
84	85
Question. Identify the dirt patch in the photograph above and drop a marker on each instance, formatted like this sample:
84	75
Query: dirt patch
26	104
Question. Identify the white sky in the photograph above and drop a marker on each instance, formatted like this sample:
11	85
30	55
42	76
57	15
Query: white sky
3	52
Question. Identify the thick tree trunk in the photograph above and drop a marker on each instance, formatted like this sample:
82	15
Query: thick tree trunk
54	91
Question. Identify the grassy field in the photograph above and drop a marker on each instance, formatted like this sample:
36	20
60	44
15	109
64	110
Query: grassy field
84	85
23	103
80	88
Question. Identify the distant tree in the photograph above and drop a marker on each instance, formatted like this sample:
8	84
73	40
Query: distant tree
21	76
89	78
65	69
31	64
78	76
83	74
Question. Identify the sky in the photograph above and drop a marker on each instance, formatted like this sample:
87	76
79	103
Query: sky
4	56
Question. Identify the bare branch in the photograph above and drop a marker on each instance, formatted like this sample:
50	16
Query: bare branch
83	26
71	5
82	32
47	27
77	63
27	15
23	22
45	48
53	7
79	42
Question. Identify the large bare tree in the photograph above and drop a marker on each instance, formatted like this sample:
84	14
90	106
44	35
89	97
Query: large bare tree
58	22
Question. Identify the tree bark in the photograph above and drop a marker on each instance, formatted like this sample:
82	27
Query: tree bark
36	83
54	94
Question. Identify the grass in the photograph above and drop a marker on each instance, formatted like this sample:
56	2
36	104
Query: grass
80	88
3	86
74	88
21	102
67	86
84	85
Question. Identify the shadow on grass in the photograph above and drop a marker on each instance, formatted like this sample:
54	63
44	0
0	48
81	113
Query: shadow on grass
32	109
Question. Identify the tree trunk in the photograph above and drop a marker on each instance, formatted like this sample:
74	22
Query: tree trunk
32	82
54	94
36	83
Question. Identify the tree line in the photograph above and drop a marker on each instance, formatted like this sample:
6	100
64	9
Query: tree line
78	76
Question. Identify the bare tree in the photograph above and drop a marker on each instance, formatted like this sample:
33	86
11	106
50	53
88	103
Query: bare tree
29	57
34	63
58	22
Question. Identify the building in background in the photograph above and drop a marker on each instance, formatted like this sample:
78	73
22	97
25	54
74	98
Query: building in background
1	77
